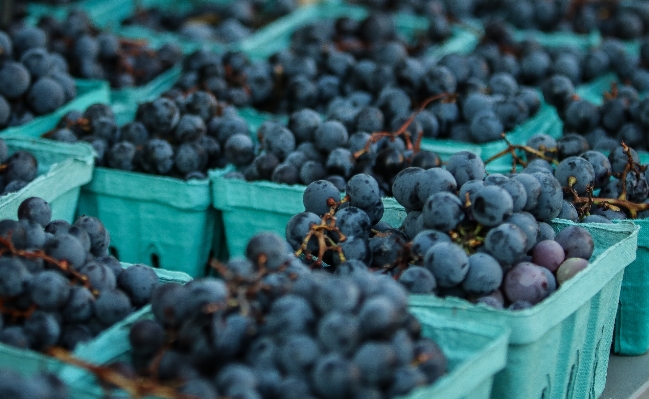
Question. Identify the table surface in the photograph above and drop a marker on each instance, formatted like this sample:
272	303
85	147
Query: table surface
628	377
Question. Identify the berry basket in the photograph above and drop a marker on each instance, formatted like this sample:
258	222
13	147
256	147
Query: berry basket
101	349
156	220
276	36
560	347
63	169
103	12
88	92
475	353
249	208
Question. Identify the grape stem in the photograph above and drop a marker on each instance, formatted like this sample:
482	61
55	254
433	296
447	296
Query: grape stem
319	231
516	159
63	265
403	129
137	388
584	204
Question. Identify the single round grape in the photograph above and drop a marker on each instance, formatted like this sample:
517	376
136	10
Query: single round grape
112	306
443	211
569	268
49	290
425	240
138	282
339	332
526	222
576	168
334	377
363	191
448	263
576	241
492	206
526	282
506	243
549	254
404	187
298	227
465	166
436	180
317	195
353	221
35	209
484	276
418	280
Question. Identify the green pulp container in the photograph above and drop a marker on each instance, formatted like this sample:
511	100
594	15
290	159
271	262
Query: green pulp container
103	13
560	347
155	220
101	349
249	208
475	353
62	170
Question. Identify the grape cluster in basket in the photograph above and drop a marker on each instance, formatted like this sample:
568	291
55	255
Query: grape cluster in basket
59	286
272	328
33	81
484	238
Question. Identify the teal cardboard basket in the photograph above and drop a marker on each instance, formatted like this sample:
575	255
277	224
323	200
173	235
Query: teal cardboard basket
475	354
249	208
88	92
62	170
631	336
155	220
103	13
99	350
277	35
560	347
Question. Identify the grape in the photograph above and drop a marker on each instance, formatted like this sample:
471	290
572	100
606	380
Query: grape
42	329
202	292
49	290
379	317
465	166
339	332
112	306
418	280
317	195
549	254
16	80
298	227
376	362
442	211
363	191
484	276
405	187
267	249
330	135
14	336
79	306
21	165
146	337
297	354
36	210
569	268
506	243
526	282
337	295
528	225
334	377
304	124
579	169
426	239
435	364
435	180
549	201
45	96
15	277
138	282
448	263
492	206
576	241
99	276
99	237
290	314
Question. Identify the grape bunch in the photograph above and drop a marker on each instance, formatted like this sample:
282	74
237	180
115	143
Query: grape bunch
93	54
619	118
171	138
16	170
223	23
597	188
60	287
481	238
33	81
275	329
624	20
37	386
